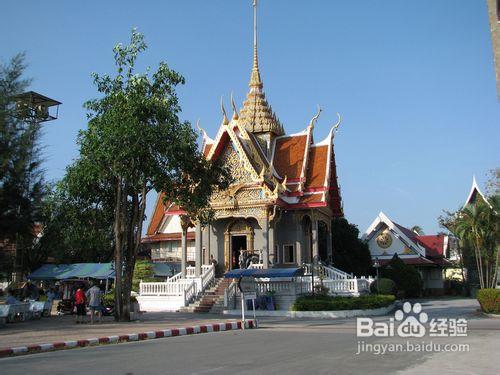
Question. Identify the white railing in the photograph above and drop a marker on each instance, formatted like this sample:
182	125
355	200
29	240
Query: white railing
164	288
259	266
230	295
206	267
334	273
328	272
189	293
342	286
207	277
190	272
352	286
175	278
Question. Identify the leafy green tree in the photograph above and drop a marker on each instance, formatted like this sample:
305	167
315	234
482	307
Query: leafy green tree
350	254
406	277
143	272
135	143
22	186
76	229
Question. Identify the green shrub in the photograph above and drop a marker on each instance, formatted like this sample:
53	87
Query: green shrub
489	299
321	290
325	303
386	286
108	299
408	280
143	271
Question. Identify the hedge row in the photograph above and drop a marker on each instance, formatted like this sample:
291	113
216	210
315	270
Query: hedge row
325	303
489	299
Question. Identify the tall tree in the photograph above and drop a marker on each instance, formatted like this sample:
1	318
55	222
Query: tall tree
135	143
350	254
22	185
76	228
477	226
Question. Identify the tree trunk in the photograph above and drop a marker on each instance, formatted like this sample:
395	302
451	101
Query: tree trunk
118	251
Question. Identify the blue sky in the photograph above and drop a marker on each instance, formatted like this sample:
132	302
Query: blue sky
413	80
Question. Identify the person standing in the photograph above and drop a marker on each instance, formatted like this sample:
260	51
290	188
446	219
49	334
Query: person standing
11	300
80	300
94	296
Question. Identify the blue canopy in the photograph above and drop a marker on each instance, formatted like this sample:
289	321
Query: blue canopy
270	272
73	271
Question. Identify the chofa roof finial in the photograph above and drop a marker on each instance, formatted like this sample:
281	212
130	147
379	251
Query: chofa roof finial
236	116
225	121
336	126
315	118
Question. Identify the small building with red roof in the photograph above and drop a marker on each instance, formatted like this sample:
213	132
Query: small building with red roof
428	253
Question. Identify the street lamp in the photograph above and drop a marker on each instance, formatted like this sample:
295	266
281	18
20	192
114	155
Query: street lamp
32	108
376	265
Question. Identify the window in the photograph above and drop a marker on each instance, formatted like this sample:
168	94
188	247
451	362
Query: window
288	254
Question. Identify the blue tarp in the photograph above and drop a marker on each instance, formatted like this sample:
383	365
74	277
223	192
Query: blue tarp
270	272
73	271
166	269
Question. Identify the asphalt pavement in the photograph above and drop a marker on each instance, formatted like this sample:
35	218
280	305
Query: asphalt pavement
283	346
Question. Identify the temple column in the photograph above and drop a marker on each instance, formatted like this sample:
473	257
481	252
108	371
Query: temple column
265	249
184	226
329	253
209	229
270	235
198	239
315	249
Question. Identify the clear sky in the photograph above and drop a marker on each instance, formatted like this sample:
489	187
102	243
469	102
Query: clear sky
413	80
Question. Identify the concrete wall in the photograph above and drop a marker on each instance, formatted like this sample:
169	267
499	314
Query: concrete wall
160	303
288	231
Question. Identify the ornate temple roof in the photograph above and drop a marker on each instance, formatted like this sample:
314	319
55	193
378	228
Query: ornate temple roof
291	169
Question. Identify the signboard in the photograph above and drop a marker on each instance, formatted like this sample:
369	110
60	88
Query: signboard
246	284
251	295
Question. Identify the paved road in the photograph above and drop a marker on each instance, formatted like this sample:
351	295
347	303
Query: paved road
280	346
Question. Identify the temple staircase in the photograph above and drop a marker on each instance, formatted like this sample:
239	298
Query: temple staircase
212	300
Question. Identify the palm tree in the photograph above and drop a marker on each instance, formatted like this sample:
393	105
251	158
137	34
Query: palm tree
478	225
417	229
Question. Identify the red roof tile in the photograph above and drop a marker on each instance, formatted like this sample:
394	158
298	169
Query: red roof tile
167	237
289	155
317	165
206	150
434	245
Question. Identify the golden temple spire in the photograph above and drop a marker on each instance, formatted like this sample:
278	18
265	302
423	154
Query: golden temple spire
256	114
255	81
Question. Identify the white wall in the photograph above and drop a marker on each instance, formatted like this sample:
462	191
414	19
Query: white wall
172	224
397	247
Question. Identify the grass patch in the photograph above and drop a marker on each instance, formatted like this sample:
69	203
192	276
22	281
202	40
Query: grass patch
327	303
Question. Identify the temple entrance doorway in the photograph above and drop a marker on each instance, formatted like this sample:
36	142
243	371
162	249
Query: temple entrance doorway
238	243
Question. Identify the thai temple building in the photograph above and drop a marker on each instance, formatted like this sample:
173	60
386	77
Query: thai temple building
274	219
278	210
